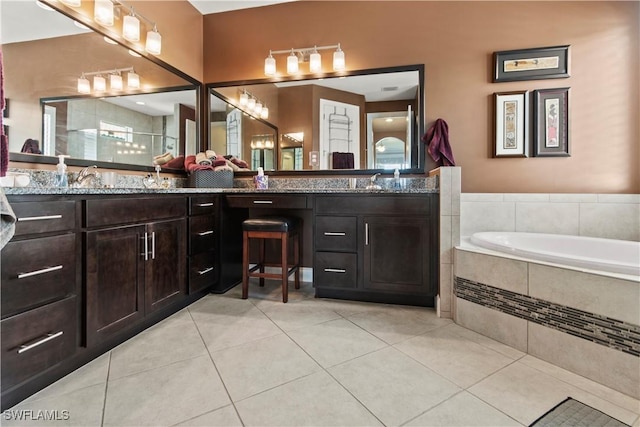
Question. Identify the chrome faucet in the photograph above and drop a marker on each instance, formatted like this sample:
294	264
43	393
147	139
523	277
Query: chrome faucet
373	178
372	184
86	173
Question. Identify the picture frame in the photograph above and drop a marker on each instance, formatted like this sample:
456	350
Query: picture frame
511	112
531	64
551	122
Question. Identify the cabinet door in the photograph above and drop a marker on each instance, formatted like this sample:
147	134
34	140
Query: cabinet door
396	254
115	267
165	280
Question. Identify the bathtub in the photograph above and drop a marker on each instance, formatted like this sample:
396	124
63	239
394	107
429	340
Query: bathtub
608	255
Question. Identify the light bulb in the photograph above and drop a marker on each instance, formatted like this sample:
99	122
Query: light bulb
84	86
292	63
315	62
99	84
103	12
131	28
265	113
115	81
258	108
154	42
244	98
270	66
251	104
133	80
338	60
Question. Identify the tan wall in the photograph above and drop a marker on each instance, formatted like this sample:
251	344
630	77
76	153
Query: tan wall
455	41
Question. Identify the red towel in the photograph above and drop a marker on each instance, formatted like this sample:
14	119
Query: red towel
437	139
175	163
219	160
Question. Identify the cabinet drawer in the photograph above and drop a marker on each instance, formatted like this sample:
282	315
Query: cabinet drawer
202	271
202	234
199	205
102	212
293	201
336	233
335	270
36	340
37	271
44	217
391	204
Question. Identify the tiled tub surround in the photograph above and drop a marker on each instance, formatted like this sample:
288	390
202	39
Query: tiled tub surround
583	321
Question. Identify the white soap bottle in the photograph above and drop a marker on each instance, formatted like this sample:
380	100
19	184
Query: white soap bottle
396	179
61	176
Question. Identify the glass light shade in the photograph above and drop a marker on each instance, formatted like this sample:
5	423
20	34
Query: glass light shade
258	108
251	104
115	82
133	80
72	3
84	86
315	62
264	114
244	98
154	42
99	84
292	63
103	12
338	60
270	66
131	28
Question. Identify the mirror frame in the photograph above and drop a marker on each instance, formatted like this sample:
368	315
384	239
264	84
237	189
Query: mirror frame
210	88
197	85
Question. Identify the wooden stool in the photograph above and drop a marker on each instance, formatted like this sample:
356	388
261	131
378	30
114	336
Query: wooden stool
270	228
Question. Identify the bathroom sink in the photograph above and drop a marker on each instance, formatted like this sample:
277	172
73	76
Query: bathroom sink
373	187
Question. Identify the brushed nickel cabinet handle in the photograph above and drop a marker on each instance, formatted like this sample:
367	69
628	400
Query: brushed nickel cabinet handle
205	233
205	271
263	202
146	246
334	233
204	205
28	347
366	234
42	271
335	270
153	245
39	218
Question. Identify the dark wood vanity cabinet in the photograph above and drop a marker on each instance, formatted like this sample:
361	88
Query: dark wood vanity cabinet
203	242
381	248
133	267
40	289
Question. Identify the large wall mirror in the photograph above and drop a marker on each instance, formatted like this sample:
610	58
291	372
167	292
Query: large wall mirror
362	121
45	52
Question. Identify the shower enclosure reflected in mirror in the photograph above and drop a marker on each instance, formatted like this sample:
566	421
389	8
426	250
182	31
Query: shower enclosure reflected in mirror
347	119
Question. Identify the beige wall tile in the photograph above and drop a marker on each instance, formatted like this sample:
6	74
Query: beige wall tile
610	220
494	271
445	191
481	197
494	324
487	216
526	197
446	286
615	298
607	366
446	245
619	198
456	190
554	218
573	198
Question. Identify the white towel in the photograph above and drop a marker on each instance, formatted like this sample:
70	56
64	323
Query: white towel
7	220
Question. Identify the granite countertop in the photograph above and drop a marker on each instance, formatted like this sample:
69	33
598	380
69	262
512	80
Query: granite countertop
186	190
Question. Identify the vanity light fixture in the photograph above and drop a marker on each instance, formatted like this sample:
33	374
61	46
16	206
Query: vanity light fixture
131	27
115	80
252	105
264	114
154	42
103	12
306	54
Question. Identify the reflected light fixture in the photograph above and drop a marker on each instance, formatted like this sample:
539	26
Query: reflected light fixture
84	86
99	83
264	114
154	41
306	54
103	12
108	40
134	53
244	99
253	106
80	25
133	80
115	81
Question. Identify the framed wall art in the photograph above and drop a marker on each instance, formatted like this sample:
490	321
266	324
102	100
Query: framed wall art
510	129
551	122
531	64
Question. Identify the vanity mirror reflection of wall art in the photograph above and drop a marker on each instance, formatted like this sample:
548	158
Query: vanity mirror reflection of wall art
122	126
372	118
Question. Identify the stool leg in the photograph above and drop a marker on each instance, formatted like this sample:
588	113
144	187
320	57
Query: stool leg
285	267
245	265
296	258
261	261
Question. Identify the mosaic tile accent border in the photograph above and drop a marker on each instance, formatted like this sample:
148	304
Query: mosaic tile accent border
612	333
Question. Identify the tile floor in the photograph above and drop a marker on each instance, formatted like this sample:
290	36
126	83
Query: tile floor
224	361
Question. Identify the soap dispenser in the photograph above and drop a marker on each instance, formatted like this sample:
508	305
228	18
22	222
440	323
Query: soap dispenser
61	176
396	179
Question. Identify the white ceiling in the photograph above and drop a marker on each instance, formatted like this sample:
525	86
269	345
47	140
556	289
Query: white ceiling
215	6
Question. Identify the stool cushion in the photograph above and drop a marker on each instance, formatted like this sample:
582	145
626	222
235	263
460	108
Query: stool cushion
272	223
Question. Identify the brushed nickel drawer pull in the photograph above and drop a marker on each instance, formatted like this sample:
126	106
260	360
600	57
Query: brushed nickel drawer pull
366	234
146	246
263	202
335	270
204	205
39	218
205	233
49	337
153	245
334	233
43	271
205	271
